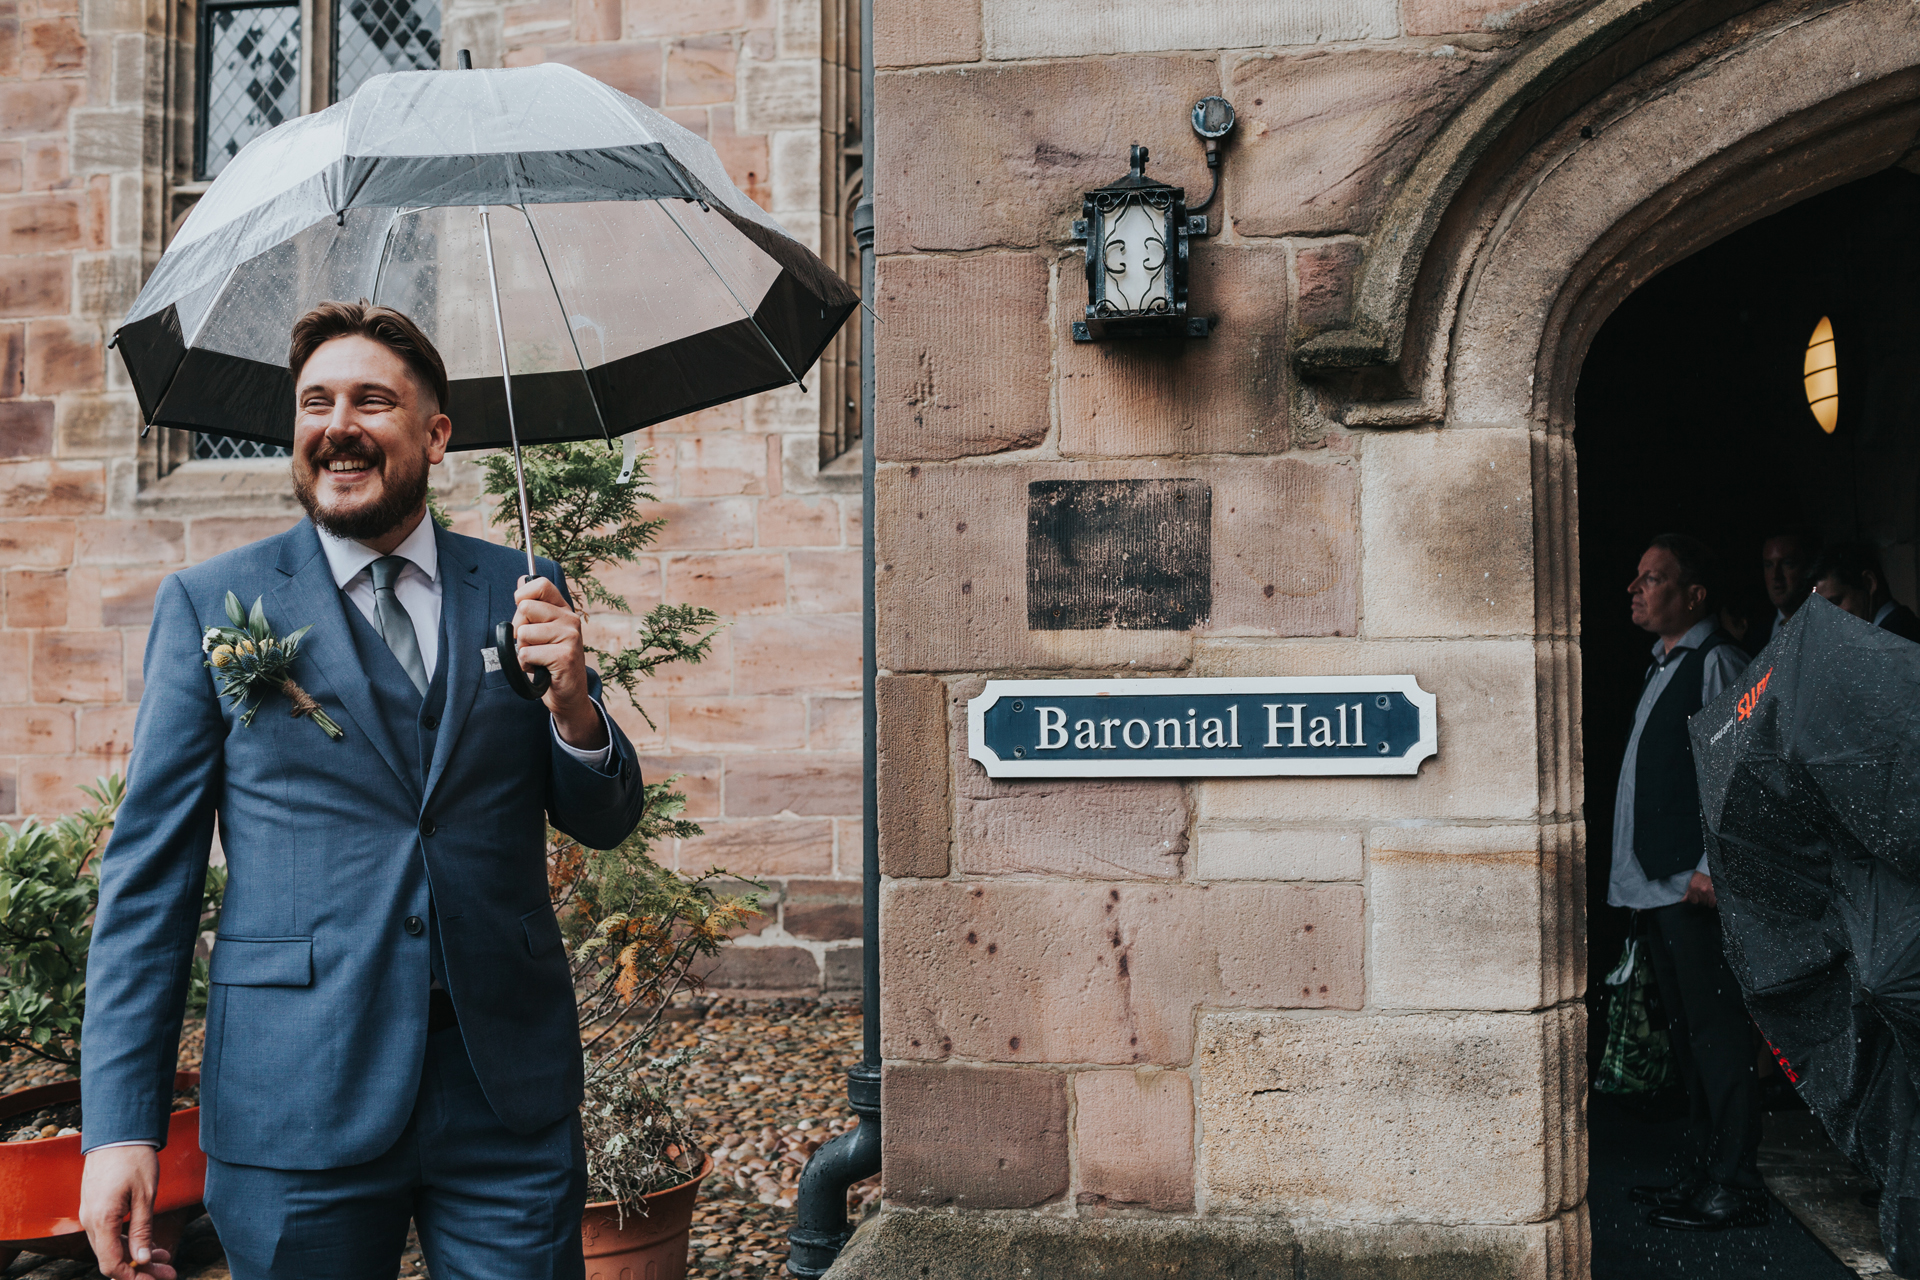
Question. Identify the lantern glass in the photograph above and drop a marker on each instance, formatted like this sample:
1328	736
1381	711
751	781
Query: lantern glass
1135	257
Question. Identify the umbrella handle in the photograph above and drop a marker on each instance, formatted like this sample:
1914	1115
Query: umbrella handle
531	685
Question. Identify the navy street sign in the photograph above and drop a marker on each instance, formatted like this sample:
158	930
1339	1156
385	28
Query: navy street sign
1188	728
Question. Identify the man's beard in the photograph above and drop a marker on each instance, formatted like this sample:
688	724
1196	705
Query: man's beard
402	492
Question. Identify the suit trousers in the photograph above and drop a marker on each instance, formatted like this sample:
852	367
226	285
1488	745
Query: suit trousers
490	1204
1714	1041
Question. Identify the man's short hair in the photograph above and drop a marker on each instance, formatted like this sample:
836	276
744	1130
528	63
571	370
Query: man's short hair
1849	563
1809	541
1699	563
391	329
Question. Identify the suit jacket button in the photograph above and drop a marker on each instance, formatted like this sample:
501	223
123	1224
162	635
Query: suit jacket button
429	723
426	827
415	926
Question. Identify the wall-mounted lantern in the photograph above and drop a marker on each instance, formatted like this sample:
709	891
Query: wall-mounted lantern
1136	232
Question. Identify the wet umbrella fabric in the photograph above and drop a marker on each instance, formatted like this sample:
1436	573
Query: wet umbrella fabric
1810	783
636	282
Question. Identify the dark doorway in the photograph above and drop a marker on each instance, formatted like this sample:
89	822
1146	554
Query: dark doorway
1692	417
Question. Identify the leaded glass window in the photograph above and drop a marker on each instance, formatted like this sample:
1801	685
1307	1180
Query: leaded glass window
221	448
373	37
249	77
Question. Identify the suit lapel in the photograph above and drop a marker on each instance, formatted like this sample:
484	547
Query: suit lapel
329	662
466	607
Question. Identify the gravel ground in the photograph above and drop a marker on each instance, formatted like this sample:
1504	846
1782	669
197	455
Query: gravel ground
768	1087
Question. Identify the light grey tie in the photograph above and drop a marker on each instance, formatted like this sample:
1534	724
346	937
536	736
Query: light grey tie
396	628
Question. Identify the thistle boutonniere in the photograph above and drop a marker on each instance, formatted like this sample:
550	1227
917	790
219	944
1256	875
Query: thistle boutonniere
251	662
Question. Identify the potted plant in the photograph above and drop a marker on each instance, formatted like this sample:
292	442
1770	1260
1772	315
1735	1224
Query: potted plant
49	886
635	929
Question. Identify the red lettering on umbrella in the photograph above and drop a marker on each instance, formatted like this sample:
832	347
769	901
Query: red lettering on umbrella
1751	698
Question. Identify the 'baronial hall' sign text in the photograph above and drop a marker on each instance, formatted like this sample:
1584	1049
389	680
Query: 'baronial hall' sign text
1182	728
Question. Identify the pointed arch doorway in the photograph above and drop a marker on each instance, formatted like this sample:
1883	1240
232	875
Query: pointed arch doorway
1628	139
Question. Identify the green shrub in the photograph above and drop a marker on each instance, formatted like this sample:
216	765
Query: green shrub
49	886
583	520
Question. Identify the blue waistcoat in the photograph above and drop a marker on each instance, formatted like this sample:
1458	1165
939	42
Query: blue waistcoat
411	721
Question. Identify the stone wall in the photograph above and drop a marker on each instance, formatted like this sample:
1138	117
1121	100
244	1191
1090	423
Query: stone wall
1346	1009
94	169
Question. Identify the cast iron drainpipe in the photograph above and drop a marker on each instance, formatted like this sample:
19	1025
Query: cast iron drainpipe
820	1226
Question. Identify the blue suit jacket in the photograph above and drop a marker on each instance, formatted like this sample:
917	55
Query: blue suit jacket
317	1016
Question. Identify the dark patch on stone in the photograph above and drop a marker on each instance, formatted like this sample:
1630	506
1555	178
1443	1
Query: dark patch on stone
1130	555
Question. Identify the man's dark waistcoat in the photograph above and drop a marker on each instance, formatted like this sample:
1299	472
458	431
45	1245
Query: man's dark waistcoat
1666	789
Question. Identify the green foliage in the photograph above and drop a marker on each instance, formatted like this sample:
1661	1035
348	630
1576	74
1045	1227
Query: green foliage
584	520
49	886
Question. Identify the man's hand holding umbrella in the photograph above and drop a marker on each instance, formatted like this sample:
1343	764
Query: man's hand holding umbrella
548	634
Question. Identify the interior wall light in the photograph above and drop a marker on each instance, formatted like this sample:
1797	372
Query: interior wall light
1822	370
1136	232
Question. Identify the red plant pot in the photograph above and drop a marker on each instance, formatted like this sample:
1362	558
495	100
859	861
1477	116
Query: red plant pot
652	1243
40	1180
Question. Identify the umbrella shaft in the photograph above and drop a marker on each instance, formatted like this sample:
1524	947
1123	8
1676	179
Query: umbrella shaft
506	378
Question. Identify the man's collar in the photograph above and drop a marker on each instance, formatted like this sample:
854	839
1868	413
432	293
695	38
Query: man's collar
348	558
1880	614
1695	637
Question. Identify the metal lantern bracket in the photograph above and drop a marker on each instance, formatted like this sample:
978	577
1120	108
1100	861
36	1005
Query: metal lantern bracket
1136	232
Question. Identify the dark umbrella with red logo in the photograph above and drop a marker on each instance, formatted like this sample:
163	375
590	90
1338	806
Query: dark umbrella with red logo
1810	783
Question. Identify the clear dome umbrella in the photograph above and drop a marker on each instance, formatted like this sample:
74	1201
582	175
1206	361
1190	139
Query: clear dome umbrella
583	264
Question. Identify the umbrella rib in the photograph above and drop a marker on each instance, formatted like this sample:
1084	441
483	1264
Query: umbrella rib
506	379
380	263
736	297
566	320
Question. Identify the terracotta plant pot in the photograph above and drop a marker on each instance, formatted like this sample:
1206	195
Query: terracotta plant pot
652	1243
40	1180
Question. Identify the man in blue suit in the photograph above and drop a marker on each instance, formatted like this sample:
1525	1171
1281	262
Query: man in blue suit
391	1032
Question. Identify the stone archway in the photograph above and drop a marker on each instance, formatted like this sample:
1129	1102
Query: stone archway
1609	160
1750	116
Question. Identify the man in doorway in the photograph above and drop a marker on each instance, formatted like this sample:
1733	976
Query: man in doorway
1850	575
391	1033
1660	871
1786	568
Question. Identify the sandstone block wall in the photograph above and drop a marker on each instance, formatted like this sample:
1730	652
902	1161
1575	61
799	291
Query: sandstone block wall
94	174
1345	1009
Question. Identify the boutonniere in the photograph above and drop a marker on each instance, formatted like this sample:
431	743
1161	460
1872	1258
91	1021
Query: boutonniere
251	662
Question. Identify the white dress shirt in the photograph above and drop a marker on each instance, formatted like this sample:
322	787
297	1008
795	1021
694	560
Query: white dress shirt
418	589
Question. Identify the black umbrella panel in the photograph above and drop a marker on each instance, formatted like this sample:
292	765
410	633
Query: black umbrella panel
1810	784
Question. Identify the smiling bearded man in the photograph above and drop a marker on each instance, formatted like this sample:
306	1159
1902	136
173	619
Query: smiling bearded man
391	1034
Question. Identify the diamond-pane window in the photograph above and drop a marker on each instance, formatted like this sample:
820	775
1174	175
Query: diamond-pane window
224	449
373	37
249	76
